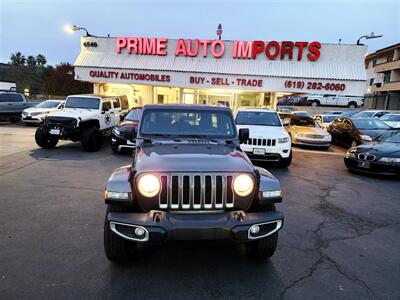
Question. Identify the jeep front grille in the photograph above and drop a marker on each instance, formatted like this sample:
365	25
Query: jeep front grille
61	121
199	192
261	142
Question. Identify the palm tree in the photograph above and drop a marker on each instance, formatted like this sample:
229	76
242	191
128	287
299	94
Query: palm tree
31	61
17	59
41	60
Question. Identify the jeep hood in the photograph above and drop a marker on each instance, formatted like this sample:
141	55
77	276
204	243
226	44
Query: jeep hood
75	113
256	131
191	157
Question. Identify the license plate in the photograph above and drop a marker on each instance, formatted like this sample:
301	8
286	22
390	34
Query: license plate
55	131
259	151
364	164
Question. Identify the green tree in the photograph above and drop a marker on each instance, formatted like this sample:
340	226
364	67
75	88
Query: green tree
31	61
17	59
41	60
62	82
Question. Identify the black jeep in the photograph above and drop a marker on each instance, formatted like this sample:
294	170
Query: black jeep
189	180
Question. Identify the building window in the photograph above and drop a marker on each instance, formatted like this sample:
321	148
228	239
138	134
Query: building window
386	77
374	63
371	81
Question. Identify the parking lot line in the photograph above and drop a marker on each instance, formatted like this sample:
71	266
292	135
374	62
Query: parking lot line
320	152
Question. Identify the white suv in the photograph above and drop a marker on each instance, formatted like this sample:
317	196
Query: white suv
84	118
268	139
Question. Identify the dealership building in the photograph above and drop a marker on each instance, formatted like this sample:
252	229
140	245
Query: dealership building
233	73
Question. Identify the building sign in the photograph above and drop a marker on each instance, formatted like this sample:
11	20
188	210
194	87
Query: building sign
271	50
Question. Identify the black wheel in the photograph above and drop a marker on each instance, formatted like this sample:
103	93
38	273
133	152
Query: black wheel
44	139
114	148
116	248
265	247
352	105
285	162
91	139
315	103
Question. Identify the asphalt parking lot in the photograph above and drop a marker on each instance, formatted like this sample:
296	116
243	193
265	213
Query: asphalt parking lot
341	237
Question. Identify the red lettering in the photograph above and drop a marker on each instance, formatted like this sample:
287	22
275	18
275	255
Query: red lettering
149	46
313	48
120	43
287	48
132	44
180	48
300	46
214	48
205	44
274	44
242	49
162	46
258	47
190	52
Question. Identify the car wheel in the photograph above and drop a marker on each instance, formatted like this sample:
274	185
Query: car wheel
264	247
315	103
44	139
352	105
116	248
91	139
114	148
285	162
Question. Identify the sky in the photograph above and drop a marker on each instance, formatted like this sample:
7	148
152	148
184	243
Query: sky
37	26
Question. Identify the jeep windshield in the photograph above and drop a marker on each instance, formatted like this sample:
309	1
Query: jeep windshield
83	102
187	123
258	118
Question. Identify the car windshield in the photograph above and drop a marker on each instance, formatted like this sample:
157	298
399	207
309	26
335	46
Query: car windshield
258	118
302	114
328	119
364	114
83	102
134	114
48	104
369	124
390	137
307	122
392	118
187	122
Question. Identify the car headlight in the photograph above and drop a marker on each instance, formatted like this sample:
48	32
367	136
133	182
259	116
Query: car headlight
366	138
243	185
327	137
115	195
390	159
272	194
148	185
116	131
350	154
283	140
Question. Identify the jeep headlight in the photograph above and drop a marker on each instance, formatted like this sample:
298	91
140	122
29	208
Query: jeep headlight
390	159
283	140
243	185
148	185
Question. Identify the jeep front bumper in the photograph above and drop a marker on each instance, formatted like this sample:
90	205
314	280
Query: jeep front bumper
160	226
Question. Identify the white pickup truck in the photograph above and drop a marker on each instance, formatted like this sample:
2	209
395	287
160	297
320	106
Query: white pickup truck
335	100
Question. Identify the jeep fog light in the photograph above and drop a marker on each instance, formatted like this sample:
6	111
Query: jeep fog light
255	229
243	185
115	195
139	231
272	194
148	185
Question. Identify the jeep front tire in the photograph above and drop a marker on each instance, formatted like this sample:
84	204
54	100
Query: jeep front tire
116	248
264	247
285	162
44	139
91	139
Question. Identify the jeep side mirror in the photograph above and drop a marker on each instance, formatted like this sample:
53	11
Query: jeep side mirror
243	135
